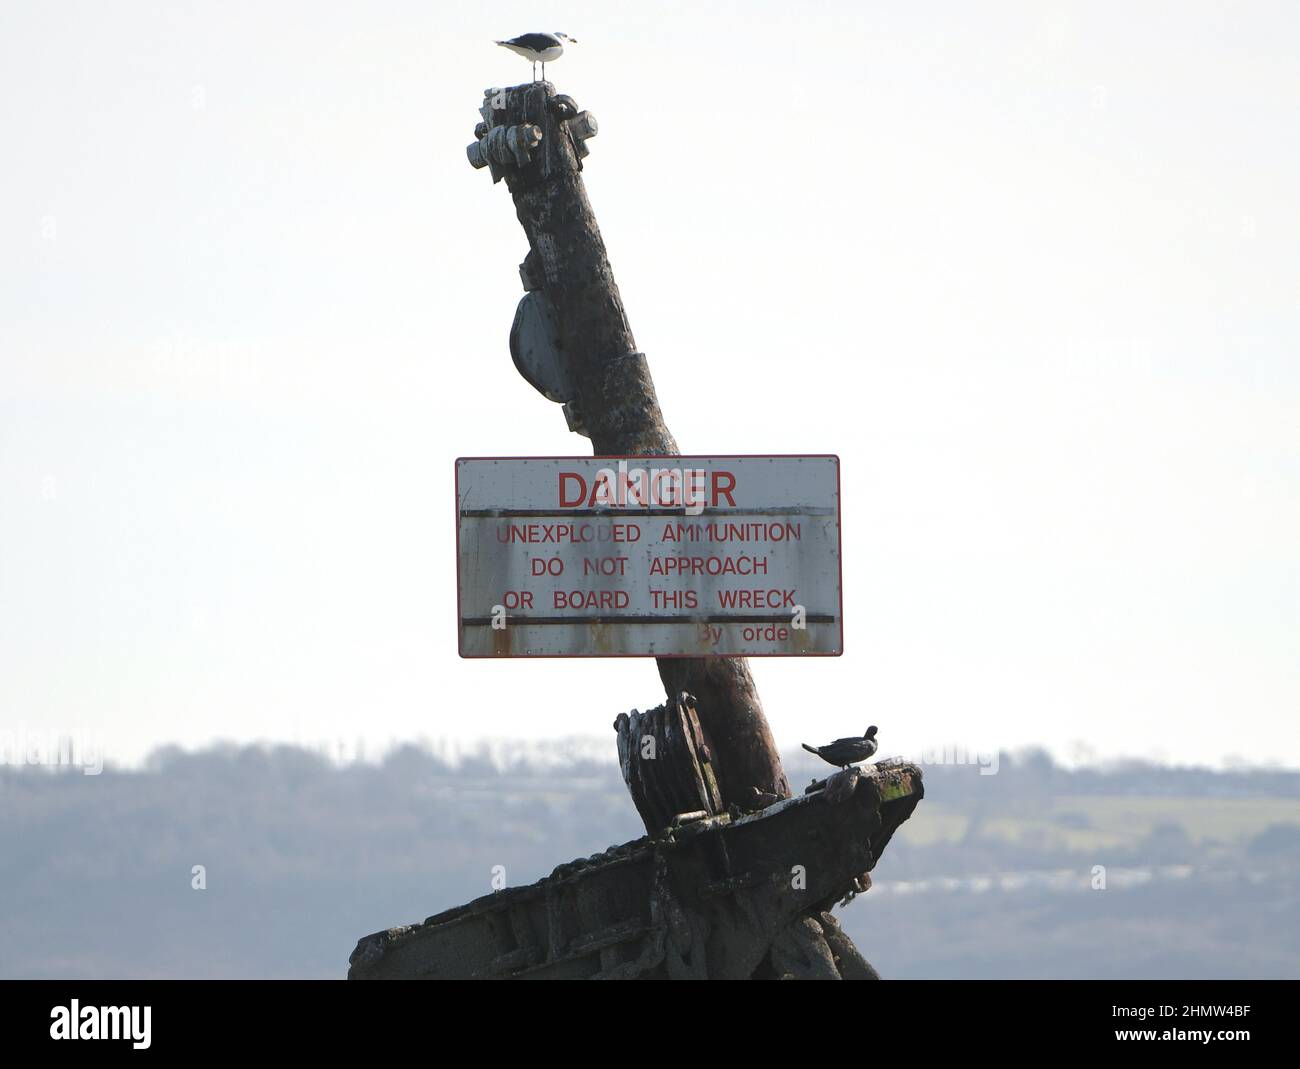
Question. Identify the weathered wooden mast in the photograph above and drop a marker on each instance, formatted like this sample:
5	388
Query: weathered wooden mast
535	139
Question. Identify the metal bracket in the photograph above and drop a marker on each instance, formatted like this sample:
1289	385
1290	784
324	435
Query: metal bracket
498	147
505	146
573	417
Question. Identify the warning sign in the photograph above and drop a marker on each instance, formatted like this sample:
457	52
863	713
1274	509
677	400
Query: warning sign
648	556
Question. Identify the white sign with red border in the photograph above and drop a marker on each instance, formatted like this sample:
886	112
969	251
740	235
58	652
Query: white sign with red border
649	556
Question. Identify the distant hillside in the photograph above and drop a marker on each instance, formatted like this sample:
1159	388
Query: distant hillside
992	878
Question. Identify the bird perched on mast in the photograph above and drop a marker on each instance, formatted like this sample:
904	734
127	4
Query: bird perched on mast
844	752
540	48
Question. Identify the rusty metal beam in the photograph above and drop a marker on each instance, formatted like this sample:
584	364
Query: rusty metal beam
535	139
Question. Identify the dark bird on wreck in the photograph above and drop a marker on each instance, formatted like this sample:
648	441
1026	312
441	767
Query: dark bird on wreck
845	752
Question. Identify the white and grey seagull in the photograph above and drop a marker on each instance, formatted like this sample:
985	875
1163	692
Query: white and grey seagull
540	48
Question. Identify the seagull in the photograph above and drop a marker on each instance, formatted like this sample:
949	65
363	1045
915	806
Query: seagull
540	48
844	752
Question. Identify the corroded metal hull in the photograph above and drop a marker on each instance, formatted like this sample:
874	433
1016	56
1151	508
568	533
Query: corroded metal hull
721	897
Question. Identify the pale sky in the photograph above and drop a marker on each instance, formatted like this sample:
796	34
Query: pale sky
1030	270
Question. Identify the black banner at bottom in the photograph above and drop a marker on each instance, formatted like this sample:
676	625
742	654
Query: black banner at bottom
150	1017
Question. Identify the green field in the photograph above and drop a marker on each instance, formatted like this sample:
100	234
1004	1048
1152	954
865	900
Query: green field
1089	822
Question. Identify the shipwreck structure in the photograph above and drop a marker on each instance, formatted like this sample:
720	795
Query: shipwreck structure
737	897
735	878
